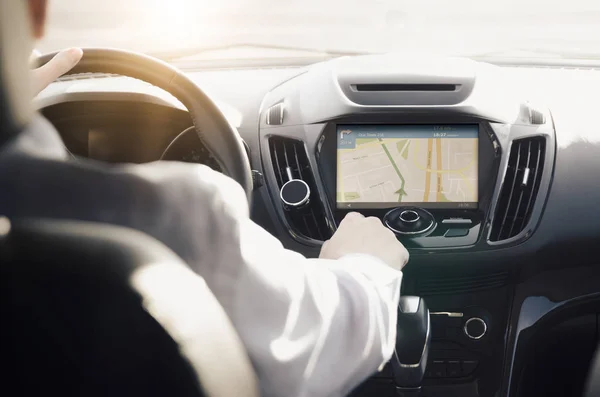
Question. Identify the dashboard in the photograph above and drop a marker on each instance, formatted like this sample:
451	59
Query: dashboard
487	174
414	137
112	132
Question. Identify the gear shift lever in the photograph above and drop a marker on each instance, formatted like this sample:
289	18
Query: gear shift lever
412	346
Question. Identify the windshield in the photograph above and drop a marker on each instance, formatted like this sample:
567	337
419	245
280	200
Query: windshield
500	28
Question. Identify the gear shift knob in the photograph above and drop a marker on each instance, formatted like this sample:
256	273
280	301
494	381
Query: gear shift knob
412	345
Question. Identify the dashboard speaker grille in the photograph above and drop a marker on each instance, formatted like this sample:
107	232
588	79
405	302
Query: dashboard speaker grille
520	188
309	222
455	285
405	87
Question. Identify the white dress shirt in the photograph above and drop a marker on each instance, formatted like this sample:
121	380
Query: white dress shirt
312	327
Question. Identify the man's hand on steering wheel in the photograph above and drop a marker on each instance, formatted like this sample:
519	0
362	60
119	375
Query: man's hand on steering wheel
56	67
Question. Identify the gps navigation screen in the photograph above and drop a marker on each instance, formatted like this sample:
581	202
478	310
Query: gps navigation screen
429	166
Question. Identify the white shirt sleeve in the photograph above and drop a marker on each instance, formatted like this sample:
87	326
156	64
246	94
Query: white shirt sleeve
312	327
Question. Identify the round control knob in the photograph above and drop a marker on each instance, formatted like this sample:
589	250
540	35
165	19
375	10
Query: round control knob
475	328
295	193
409	216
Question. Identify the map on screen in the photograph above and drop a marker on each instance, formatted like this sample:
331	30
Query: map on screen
430	166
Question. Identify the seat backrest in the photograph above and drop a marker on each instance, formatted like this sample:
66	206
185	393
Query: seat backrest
97	310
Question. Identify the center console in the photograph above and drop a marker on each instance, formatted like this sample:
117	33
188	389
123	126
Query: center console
431	184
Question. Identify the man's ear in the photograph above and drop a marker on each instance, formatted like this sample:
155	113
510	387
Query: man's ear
37	12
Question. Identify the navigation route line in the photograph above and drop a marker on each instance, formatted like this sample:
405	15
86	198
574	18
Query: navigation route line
400	191
438	152
428	172
458	171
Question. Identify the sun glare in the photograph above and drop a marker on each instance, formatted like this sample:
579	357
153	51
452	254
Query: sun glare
182	22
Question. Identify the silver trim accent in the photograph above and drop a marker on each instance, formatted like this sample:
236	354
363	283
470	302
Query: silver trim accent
475	319
448	314
457	221
410	233
525	177
299	203
423	353
288	171
5	226
409	220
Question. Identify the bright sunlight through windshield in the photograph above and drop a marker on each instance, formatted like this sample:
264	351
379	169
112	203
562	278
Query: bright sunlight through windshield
500	28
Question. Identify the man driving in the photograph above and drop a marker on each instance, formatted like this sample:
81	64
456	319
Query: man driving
312	327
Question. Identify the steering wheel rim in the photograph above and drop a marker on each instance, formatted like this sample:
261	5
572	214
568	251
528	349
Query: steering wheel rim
219	136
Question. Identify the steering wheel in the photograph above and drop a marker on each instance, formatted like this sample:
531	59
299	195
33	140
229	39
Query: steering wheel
220	137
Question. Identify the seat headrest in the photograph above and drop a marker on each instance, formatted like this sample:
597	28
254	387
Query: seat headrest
15	49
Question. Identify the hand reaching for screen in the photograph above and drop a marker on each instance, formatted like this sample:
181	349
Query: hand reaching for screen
359	235
56	67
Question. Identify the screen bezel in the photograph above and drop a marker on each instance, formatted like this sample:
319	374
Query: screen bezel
421	204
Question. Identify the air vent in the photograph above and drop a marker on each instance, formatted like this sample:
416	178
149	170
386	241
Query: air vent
405	87
309	221
275	114
457	285
520	188
537	117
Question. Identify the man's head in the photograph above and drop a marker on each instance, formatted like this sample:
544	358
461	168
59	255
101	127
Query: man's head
21	22
15	49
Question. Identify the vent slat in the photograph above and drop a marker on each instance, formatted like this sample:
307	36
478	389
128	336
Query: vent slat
536	175
461	282
441	291
519	191
440	286
316	223
287	161
306	226
514	174
310	221
298	162
516	218
277	169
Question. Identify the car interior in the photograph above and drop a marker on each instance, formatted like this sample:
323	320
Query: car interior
487	170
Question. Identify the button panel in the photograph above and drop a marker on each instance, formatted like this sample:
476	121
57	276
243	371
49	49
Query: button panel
457	233
468	367
442	369
457	221
453	369
438	369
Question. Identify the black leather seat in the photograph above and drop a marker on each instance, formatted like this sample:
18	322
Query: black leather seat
97	310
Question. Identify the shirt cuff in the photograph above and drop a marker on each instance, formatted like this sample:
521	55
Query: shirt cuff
372	267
